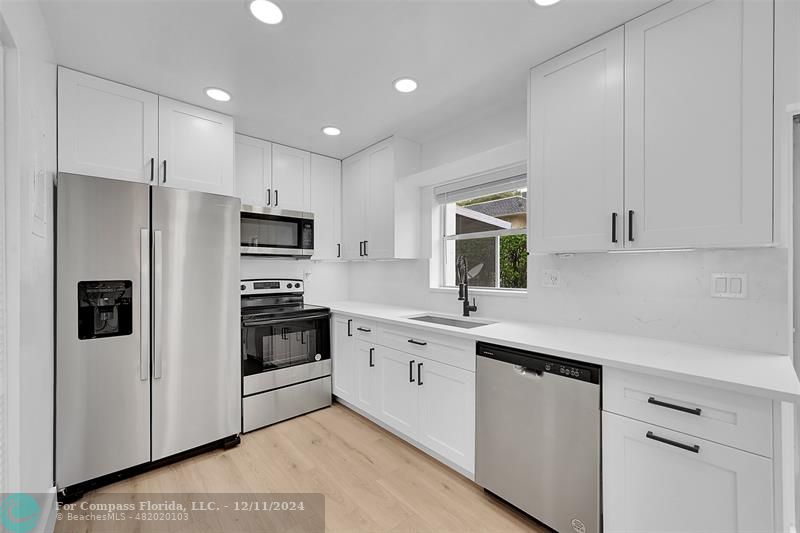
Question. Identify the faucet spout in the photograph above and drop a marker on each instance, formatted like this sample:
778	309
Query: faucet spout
462	273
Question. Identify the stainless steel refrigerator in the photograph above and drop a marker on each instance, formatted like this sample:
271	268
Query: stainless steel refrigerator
147	324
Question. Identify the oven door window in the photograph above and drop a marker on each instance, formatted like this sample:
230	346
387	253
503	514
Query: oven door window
270	345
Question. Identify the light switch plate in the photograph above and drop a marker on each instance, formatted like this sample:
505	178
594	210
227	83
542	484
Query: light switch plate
551	279
728	285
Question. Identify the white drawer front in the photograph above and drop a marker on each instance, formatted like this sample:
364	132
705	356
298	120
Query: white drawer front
737	420
445	349
364	329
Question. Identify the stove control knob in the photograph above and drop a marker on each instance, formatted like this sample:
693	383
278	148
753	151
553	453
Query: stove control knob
288	285
296	285
243	287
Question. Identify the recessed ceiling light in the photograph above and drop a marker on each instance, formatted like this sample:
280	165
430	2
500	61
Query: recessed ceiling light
331	130
266	11
546	3
218	94
405	85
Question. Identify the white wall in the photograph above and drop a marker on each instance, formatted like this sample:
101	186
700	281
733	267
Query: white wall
30	89
325	281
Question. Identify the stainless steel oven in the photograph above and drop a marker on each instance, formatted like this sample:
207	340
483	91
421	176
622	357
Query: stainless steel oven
269	231
286	356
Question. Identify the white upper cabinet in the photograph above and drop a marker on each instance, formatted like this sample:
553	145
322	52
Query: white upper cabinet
106	129
196	148
380	215
576	151
699	124
253	170
291	178
326	204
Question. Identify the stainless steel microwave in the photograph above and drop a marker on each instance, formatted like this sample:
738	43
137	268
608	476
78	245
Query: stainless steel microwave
278	232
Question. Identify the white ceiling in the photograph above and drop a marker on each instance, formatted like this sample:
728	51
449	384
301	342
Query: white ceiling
330	61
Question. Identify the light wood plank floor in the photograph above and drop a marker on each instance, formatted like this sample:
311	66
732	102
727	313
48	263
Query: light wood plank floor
372	480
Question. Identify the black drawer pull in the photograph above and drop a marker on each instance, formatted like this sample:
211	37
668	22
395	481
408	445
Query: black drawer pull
694	448
411	371
419	374
695	411
365	330
418	343
371	353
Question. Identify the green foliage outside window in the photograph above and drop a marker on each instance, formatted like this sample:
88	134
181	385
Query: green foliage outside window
513	262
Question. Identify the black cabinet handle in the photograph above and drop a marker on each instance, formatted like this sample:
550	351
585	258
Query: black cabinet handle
694	448
419	374
418	343
165	171
371	353
691	411
339	250
411	371
269	196
152	168
365	330
349	324
613	227
630	225
276	197
361	248
366	252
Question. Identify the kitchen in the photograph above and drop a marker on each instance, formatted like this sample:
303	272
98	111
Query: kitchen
539	279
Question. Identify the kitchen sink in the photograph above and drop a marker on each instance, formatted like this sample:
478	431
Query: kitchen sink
455	322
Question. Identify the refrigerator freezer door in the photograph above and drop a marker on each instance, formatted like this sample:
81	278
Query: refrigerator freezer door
102	329
197	362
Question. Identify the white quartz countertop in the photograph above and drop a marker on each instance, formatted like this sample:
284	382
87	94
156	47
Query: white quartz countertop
761	374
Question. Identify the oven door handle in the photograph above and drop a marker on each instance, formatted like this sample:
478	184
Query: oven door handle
273	321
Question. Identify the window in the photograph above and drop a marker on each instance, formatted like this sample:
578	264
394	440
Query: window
486	222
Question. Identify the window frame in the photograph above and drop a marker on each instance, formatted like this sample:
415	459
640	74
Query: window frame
444	239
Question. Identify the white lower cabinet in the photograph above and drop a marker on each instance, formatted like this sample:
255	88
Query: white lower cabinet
428	400
399	405
655	481
447	411
343	358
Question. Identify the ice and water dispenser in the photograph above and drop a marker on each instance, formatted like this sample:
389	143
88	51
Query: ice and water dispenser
105	309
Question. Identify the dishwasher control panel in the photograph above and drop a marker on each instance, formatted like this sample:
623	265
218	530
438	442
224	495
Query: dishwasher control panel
541	363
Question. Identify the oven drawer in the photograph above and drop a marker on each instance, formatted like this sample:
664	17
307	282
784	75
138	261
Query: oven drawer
273	406
737	420
282	377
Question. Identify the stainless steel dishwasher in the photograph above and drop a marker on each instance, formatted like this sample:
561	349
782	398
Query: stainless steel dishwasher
537	442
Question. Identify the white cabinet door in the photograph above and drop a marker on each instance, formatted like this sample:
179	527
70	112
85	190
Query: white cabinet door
355	180
379	239
106	129
367	377
698	111
326	204
195	147
447	411
576	152
653	486
291	178
343	359
398	384
253	170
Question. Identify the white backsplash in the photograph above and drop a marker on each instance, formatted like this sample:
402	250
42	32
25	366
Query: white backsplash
664	295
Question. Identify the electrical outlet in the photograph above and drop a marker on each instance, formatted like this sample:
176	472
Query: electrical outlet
728	285
551	279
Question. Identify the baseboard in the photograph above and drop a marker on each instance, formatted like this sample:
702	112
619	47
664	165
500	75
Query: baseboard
466	473
49	513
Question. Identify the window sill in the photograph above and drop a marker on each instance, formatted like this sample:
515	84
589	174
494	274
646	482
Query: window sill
506	293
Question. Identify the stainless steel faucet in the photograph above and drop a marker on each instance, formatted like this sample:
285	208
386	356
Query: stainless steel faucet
462	273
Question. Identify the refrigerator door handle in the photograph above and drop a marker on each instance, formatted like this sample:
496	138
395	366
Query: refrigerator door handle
157	294
144	304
